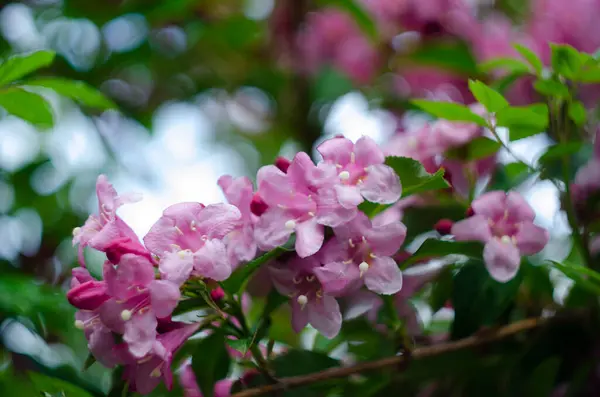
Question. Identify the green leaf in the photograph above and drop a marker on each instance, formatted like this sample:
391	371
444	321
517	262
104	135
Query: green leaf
565	60
583	276
454	56
241	345
589	74
89	361
478	148
559	151
488	97
551	88
542	380
479	300
577	113
523	121
331	84
48	384
359	14
531	58
509	64
21	65
76	90
449	111
302	362
28	106
503	83
421	220
210	362
434	248
413	176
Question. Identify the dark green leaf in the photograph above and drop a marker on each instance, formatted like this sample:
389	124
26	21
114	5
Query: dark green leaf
441	291
449	111
542	380
551	88
21	65
76	90
565	60
433	248
530	57
210	362
28	106
54	385
455	56
413	176
241	345
89	361
302	362
478	148
479	300
187	305
508	64
523	121
421	220
488	97
331	84
557	152
577	113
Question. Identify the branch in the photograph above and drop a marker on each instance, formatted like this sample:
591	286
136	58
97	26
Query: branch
422	352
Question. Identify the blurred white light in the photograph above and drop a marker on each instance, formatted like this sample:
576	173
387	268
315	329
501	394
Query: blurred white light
30	224
18	27
19	143
170	41
78	40
125	32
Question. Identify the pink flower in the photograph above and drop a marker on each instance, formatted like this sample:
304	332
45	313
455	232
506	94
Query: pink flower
309	303
421	144
504	223
299	201
361	172
241	246
100	230
191	388
361	253
188	239
88	295
101	341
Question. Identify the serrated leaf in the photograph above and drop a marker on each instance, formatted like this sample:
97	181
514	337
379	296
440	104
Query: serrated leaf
577	113
531	58
488	97
433	248
28	106
210	362
413	176
449	111
21	65
76	90
509	64
523	121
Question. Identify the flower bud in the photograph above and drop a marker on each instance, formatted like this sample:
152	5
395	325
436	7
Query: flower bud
257	205
469	212
88	296
443	226
217	294
282	163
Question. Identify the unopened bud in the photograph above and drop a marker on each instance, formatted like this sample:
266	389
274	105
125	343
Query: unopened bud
470	212
444	226
282	163
217	294
258	205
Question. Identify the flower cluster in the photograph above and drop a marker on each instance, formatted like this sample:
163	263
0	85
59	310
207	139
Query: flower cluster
339	252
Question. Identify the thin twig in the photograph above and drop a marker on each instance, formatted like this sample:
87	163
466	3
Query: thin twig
419	353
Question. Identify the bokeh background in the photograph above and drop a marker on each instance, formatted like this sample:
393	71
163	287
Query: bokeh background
209	87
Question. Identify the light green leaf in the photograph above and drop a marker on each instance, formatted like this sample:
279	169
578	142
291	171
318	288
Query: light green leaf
48	384
509	64
454	56
551	88
577	113
21	65
76	90
530	57
488	97
565	60
413	176
523	121
27	106
449	111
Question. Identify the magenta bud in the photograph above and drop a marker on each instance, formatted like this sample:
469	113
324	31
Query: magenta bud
443	226
470	212
282	163
217	294
257	205
88	296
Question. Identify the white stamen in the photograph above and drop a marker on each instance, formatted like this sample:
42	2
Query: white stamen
290	225
310	213
372	255
363	267
506	239
178	230
181	254
126	315
350	243
156	373
79	324
302	300
76	231
344	175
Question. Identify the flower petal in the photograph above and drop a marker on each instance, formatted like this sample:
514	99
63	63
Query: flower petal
475	228
164	296
348	195
337	277
140	333
215	221
324	314
283	279
386	240
382	185
299	316
174	228
270	230
384	276
330	212
518	208
176	266
211	261
531	238
490	205
309	237
368	152
336	150
501	259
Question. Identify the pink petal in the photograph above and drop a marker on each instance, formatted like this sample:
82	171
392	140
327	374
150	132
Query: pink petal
337	277
239	192
309	237
301	170
131	270
164	296
107	195
386	240
359	226
241	246
174	228
270	230
368	152
336	150
176	266
324	314
101	344
330	212
273	185
215	221
223	388
299	316
140	333
211	261
531	238
282	278
490	205
518	209
381	185
348	195
333	251
475	228
501	259
383	276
